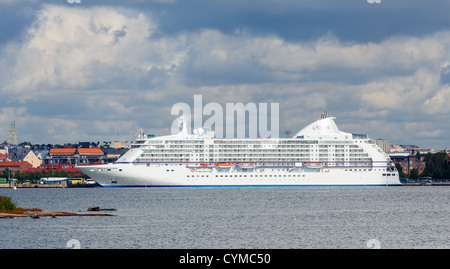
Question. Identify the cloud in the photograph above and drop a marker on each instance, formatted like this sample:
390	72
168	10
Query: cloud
86	72
76	48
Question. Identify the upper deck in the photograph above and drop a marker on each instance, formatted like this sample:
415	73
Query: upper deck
320	141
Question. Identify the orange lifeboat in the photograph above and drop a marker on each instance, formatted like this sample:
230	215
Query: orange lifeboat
223	164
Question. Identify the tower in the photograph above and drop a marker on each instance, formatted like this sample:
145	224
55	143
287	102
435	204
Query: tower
12	134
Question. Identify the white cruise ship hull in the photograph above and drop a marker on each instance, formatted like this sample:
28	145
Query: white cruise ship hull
161	175
319	155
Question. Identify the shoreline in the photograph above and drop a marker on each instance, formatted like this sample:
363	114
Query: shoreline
36	213
61	185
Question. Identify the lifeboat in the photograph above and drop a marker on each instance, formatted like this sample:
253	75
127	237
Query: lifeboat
223	164
313	164
246	165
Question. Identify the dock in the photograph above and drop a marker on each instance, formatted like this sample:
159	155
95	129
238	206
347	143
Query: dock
426	184
34	185
55	185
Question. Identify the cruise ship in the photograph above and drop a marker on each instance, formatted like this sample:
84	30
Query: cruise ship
318	155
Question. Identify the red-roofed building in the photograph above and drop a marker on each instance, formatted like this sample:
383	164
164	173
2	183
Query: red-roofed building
90	151
3	157
62	151
71	156
14	166
60	168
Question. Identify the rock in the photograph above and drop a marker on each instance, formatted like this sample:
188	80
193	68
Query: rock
97	208
37	214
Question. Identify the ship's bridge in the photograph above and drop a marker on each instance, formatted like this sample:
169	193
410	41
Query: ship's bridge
323	129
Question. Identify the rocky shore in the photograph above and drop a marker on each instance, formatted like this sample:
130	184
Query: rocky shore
36	213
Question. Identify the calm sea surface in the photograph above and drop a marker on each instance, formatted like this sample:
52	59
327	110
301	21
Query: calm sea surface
250	218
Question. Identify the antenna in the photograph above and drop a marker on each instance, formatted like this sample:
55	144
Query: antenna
324	115
287	132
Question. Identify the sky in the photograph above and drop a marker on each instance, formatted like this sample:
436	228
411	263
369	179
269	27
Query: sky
100	70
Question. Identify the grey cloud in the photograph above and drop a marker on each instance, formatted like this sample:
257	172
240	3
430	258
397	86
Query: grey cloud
123	68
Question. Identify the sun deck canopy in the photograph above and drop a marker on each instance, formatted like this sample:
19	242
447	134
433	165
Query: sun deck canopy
325	129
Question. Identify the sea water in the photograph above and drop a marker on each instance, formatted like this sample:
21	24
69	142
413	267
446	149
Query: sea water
237	218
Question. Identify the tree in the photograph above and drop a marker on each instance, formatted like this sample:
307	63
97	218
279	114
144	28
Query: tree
418	155
435	165
18	176
400	170
6	204
6	173
414	174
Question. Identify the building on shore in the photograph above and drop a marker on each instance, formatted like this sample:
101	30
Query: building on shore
72	156
14	166
17	154
11	138
408	162
384	145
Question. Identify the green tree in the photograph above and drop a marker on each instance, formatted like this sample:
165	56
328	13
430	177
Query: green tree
6	173
414	174
400	170
435	165
6	204
42	173
18	176
63	173
418	155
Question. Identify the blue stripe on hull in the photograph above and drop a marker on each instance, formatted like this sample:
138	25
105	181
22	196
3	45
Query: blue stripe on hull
226	186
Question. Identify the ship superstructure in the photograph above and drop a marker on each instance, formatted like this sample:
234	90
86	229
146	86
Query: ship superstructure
318	155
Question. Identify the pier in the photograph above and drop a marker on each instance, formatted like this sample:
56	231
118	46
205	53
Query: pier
55	185
33	185
426	184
